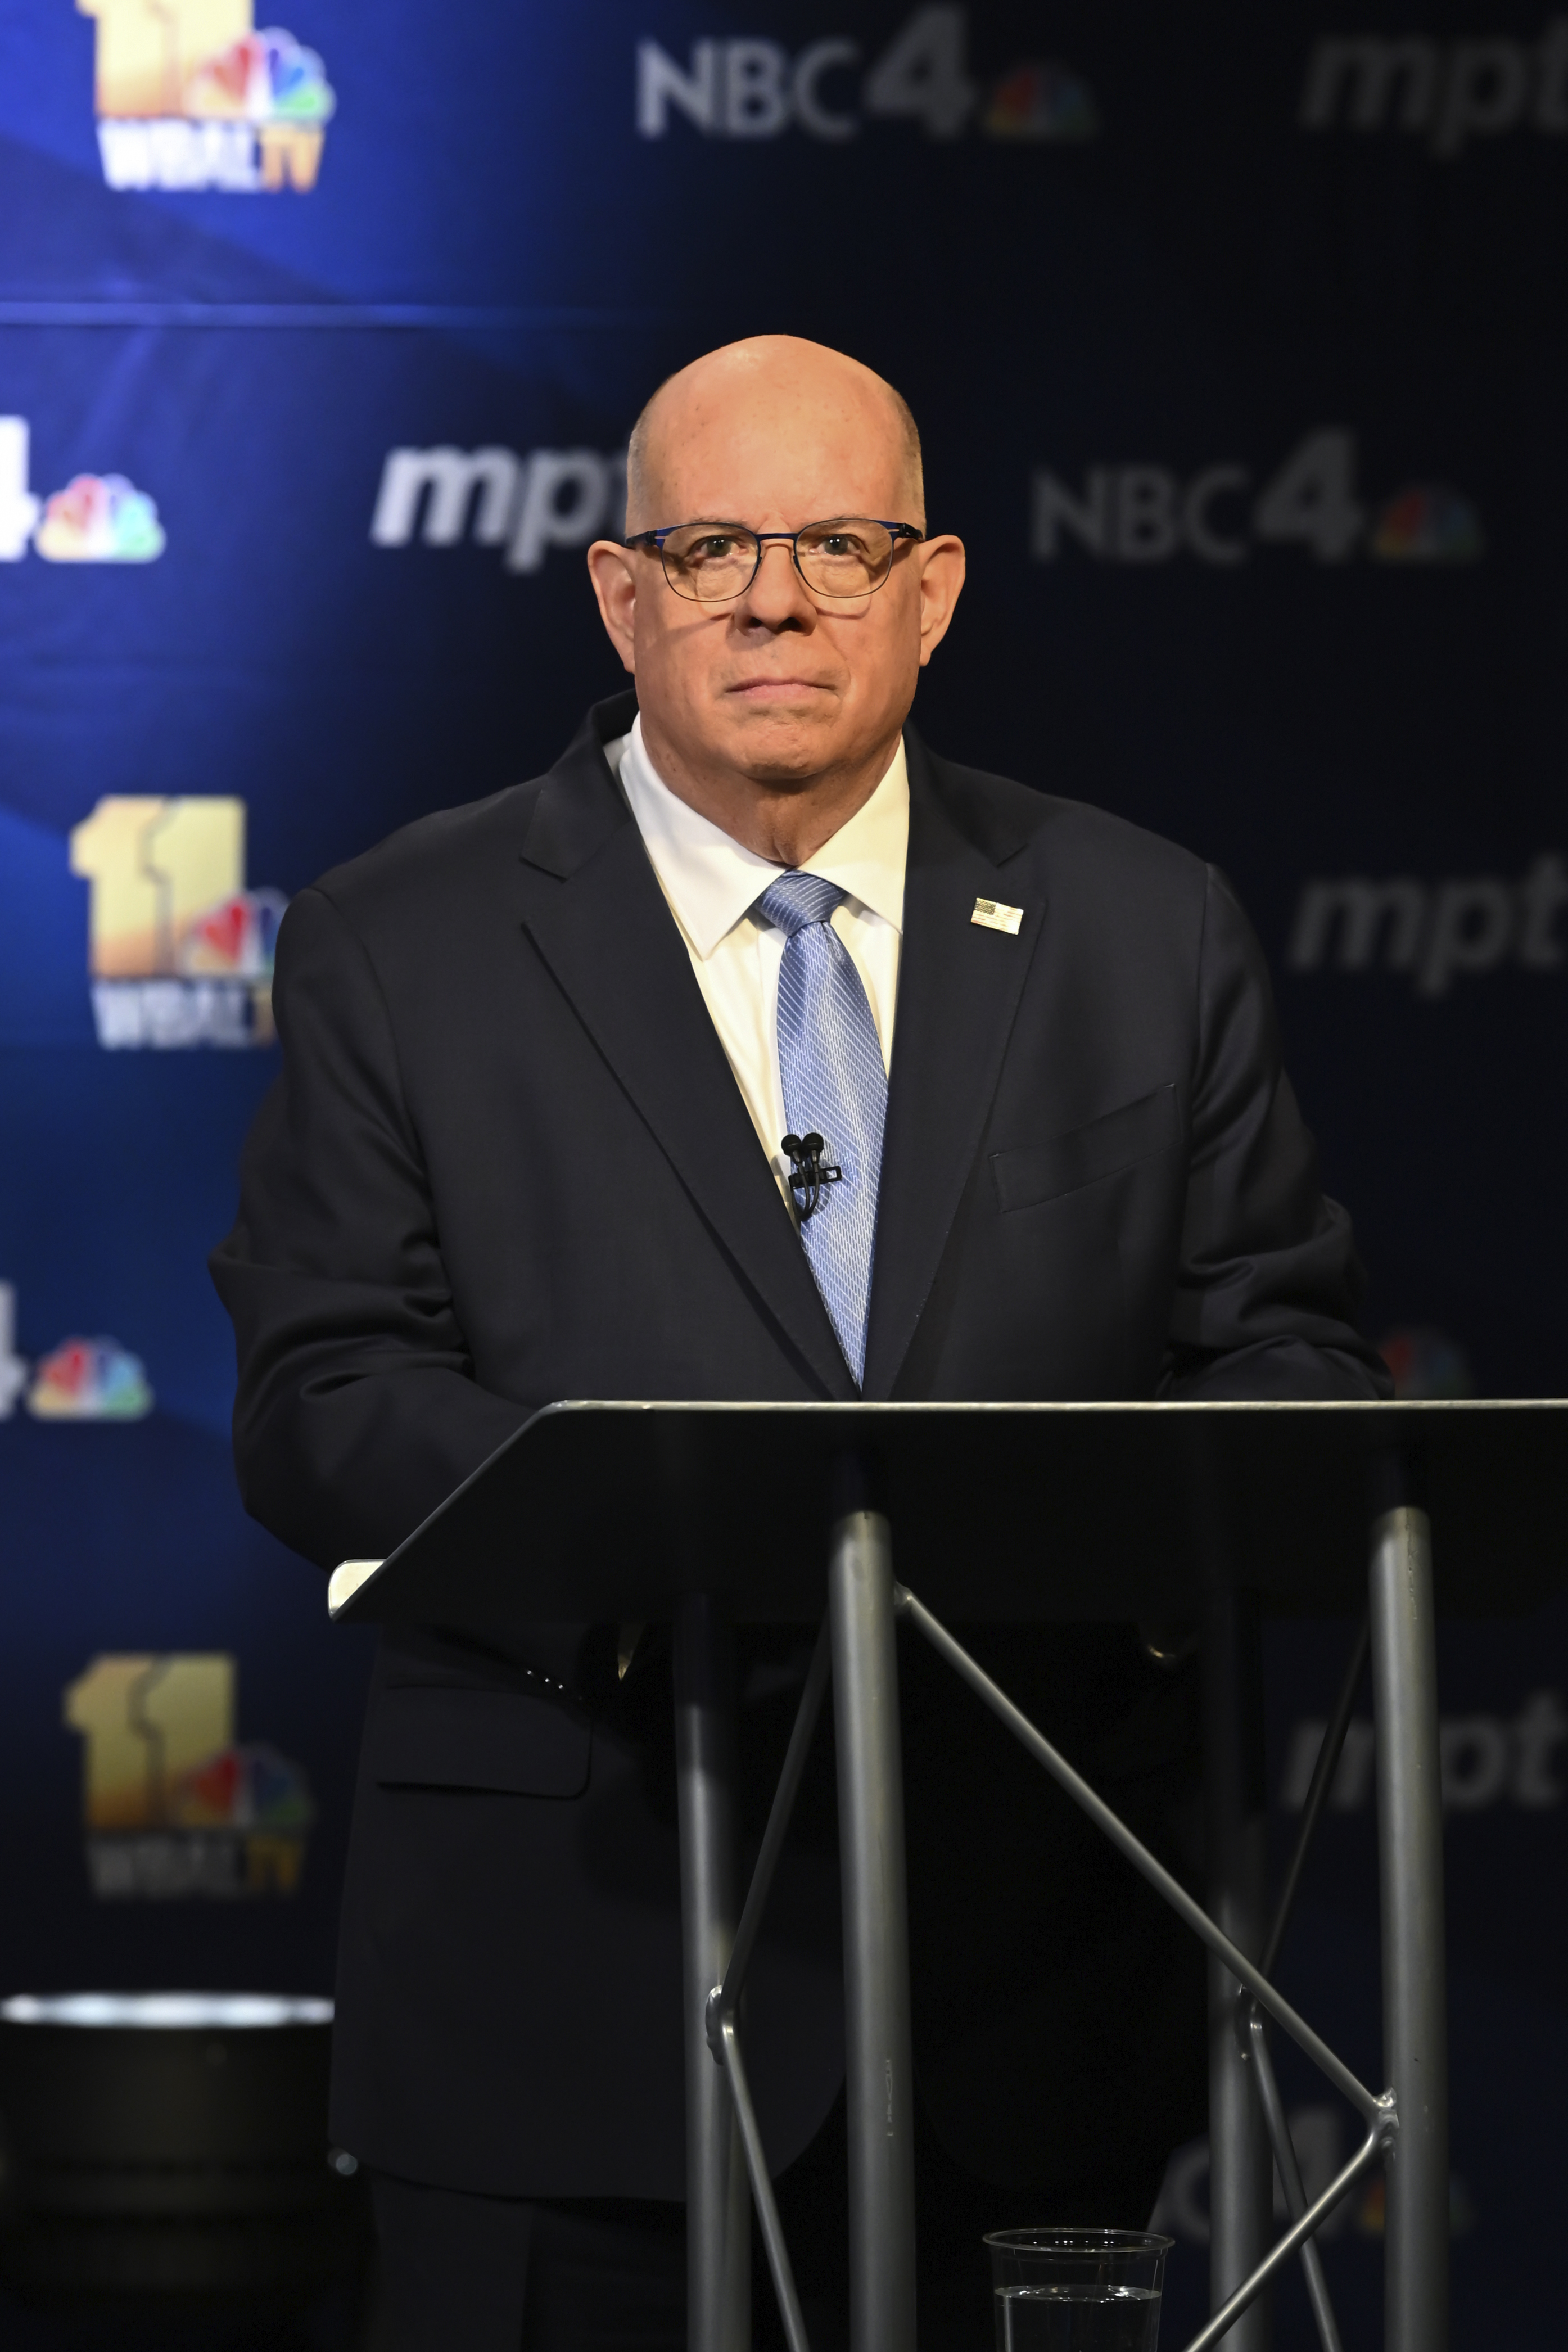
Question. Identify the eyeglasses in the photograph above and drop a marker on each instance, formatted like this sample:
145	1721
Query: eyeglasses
711	562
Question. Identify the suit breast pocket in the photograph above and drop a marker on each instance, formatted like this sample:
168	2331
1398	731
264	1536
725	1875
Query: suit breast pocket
1037	1172
432	1736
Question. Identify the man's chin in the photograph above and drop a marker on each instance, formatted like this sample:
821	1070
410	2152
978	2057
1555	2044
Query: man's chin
775	745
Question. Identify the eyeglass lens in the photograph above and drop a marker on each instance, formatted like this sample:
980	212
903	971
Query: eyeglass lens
846	557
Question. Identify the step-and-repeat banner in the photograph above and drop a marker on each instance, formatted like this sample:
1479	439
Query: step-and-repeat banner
1237	340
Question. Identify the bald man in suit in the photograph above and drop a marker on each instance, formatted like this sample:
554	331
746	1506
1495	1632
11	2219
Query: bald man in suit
550	1065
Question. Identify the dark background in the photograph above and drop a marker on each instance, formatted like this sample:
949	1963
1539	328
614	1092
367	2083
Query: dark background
1180	272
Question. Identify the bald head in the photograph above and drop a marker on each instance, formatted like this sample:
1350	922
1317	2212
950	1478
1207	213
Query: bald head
772	392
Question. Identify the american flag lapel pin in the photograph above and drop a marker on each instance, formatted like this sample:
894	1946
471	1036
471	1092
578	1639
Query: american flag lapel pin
992	916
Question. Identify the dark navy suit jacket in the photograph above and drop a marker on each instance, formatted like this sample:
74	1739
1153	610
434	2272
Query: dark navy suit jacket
506	1162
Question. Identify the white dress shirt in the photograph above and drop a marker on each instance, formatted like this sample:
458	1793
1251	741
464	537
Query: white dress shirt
712	884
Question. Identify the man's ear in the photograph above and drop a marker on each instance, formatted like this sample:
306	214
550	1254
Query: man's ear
941	565
612	570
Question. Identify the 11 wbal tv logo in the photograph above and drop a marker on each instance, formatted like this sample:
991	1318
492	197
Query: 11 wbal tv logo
172	1804
189	95
180	950
752	89
1144	514
96	518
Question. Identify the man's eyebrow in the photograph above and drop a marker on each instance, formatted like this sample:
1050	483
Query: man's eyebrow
733	522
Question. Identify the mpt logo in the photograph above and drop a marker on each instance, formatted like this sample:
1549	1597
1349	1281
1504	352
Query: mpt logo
1485	1759
750	89
551	497
1436	932
1144	514
1448	91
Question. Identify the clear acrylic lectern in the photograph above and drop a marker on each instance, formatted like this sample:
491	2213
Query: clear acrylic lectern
713	1514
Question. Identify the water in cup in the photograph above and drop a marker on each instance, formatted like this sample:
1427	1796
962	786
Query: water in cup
1076	2290
1077	2317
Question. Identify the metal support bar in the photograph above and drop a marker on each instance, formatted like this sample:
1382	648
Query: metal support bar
772	2228
1249	2021
1312	2219
723	2003
1373	2109
1240	2174
1284	2148
1323	1771
1410	1872
879	2070
718	2233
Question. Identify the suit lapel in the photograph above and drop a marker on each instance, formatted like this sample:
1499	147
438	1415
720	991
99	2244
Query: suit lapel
601	925
958	990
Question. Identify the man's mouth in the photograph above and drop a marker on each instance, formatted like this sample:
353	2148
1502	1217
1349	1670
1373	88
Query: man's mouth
776	689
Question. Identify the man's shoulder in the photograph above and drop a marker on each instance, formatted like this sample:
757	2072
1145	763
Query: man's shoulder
1075	839
446	850
444	859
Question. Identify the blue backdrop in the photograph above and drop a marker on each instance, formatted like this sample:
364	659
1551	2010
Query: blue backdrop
1236	341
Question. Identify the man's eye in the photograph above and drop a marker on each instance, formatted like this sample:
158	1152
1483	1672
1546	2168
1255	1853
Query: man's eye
714	548
839	543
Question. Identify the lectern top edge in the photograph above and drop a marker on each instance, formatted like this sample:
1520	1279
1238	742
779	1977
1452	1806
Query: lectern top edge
1412	1407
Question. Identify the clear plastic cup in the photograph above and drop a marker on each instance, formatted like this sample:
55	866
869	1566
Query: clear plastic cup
1077	2290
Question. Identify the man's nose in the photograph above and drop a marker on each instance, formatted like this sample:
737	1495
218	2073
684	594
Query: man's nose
776	592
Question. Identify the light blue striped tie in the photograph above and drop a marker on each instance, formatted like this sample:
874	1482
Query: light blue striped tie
835	1086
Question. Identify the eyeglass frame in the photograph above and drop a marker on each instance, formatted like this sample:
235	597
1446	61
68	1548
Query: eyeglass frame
898	531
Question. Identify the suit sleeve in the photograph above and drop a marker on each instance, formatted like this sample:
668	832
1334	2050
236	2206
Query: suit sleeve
1269	1283
357	1409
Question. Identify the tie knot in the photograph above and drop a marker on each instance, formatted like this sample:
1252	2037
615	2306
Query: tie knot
797	900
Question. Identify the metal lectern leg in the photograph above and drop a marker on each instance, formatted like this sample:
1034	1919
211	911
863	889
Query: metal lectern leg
1410	1870
1241	2165
718	2214
878	2072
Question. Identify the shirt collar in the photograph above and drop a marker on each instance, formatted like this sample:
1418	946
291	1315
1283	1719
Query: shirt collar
712	881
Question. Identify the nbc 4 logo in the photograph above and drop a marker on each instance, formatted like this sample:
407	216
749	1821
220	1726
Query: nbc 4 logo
751	88
181	951
96	518
1146	514
189	95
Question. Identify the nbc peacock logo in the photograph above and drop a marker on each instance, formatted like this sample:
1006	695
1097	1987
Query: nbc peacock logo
1041	101
89	1379
96	518
100	518
189	95
81	1380
1427	523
